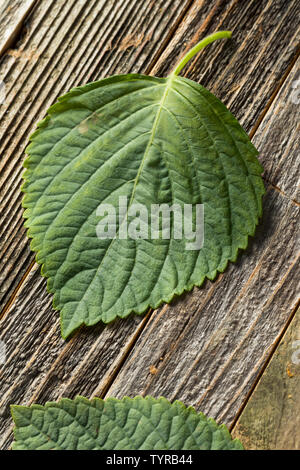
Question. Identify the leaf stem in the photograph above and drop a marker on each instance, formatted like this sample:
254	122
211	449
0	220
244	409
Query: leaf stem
207	40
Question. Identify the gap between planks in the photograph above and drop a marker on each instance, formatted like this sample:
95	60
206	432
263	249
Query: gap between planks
15	30
265	365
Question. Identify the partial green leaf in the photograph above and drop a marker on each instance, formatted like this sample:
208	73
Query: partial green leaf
138	423
153	141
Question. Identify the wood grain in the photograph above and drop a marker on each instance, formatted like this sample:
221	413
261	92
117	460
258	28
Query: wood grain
271	419
208	347
13	13
278	138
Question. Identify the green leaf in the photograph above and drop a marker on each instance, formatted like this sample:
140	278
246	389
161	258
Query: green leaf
153	141
138	423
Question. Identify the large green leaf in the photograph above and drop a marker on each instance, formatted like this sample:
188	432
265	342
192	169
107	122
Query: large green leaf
153	141
138	423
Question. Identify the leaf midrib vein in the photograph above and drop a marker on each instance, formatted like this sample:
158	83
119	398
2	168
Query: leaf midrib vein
150	142
174	117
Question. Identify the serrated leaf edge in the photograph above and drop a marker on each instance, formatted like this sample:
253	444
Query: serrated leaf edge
177	403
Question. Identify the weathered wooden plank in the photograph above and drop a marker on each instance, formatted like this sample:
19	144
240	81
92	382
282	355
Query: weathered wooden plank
12	16
278	138
271	419
234	322
67	44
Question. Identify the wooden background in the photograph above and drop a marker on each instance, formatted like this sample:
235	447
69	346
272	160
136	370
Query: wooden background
211	347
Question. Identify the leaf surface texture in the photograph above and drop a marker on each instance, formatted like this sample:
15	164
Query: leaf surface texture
138	423
153	141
